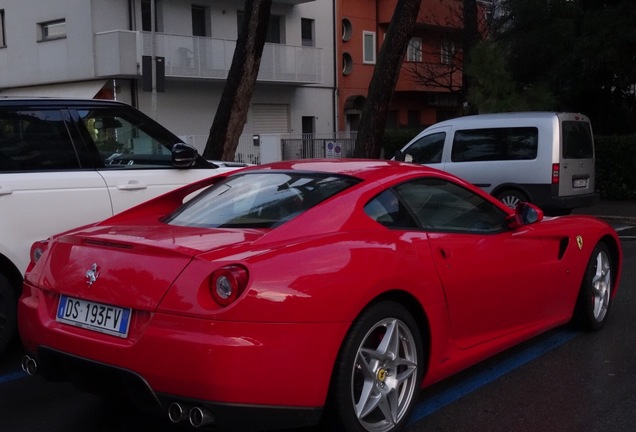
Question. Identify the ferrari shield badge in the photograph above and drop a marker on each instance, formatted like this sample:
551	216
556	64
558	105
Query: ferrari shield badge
579	241
92	274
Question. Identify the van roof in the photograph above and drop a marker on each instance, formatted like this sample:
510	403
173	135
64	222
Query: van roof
514	116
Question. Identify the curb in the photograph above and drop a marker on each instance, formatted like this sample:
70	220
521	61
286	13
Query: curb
625	220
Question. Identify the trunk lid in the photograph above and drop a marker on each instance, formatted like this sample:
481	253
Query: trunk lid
129	266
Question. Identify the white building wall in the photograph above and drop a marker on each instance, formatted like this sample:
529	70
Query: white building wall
188	105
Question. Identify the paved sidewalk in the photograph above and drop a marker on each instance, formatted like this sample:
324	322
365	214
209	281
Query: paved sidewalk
613	211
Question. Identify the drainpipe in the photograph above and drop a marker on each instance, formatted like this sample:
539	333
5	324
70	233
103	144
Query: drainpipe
134	101
153	96
336	116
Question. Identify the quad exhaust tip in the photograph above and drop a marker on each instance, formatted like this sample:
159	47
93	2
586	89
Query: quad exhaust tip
29	365
197	416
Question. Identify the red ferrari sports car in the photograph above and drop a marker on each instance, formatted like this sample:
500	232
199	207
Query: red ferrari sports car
306	291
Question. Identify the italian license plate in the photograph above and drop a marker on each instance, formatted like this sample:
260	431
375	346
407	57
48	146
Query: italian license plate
94	316
579	183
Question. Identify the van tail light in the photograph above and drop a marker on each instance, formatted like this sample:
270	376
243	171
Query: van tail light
227	284
555	173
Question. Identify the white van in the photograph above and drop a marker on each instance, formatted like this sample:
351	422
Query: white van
545	158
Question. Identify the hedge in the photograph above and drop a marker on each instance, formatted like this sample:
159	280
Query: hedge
616	167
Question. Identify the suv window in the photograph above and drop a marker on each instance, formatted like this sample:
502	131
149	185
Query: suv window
125	142
519	143
577	140
35	141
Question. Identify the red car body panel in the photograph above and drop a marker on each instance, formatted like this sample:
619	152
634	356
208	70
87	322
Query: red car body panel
309	279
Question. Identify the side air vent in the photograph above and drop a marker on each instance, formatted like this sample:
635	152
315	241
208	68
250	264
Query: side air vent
563	246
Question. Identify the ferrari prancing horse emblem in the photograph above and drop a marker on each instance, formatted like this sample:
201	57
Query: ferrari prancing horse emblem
92	274
579	241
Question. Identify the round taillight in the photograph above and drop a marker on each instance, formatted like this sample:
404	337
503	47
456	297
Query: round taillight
227	284
37	250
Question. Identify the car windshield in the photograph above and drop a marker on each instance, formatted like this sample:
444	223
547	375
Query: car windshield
258	200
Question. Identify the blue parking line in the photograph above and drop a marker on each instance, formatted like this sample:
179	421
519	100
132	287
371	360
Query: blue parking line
12	376
452	394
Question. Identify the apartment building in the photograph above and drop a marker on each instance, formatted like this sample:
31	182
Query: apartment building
431	76
110	48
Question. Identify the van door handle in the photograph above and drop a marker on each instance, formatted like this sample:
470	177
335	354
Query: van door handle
4	191
132	185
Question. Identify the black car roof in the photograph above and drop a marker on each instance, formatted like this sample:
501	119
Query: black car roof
52	102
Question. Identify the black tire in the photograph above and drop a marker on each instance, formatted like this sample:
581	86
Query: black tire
511	197
382	355
8	313
595	296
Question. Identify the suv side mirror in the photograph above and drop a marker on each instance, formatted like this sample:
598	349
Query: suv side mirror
525	214
183	155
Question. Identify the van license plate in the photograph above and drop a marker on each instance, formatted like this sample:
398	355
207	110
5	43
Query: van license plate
580	183
94	316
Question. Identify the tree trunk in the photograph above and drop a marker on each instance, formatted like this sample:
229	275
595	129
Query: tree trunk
385	76
470	37
231	113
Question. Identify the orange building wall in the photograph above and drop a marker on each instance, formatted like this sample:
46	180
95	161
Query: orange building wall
436	20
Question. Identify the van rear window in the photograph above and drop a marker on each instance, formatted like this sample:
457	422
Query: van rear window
577	140
493	144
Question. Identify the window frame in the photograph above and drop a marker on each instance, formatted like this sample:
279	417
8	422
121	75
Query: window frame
3	36
447	52
368	51
414	51
44	33
308	25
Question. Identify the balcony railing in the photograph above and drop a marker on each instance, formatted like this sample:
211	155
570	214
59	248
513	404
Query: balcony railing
200	57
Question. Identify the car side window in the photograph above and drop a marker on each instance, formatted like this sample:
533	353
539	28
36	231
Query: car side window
35	141
428	149
124	142
440	205
387	210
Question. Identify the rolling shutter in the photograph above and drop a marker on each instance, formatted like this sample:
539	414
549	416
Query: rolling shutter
270	118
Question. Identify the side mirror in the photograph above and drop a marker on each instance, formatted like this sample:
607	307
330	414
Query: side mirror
183	155
525	214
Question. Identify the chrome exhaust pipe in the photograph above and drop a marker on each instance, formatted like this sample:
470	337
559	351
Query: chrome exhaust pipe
200	417
178	412
29	365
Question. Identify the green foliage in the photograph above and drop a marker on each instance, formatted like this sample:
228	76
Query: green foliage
581	52
616	167
492	88
395	139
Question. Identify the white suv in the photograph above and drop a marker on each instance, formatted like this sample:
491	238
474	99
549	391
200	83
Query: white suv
66	163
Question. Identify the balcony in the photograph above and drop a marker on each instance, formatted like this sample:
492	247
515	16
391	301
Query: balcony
118	53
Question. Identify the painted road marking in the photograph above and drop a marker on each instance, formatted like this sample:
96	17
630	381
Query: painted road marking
456	392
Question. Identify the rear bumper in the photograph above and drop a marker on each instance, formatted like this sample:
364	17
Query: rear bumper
279	370
547	198
105	379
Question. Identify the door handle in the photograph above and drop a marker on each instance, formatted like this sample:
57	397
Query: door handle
132	185
4	191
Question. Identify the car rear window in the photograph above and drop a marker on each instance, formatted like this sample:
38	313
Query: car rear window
258	200
577	140
495	144
35	141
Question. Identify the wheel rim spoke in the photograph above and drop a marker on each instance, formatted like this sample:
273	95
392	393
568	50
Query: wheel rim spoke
601	286
386	367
